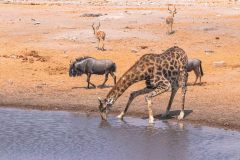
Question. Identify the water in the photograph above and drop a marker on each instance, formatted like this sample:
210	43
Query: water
49	135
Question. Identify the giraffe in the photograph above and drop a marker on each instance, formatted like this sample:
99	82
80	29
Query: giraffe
161	72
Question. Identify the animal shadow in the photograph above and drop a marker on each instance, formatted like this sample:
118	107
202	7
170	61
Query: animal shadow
173	114
105	86
198	84
99	49
83	87
169	33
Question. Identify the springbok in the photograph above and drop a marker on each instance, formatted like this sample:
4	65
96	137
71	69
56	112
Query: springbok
169	19
100	35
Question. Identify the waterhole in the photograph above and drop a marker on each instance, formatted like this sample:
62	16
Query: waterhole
55	135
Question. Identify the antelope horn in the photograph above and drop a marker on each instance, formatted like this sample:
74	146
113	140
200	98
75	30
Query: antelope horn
175	10
169	9
98	25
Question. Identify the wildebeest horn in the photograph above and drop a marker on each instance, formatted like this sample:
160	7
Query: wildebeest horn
71	61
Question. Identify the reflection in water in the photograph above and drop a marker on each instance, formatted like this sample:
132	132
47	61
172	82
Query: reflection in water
37	135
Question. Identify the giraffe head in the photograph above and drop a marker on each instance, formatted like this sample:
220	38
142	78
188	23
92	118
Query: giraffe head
104	107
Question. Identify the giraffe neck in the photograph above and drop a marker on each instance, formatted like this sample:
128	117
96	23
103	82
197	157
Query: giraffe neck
123	83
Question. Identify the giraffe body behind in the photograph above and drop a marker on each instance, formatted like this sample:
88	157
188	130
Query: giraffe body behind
161	72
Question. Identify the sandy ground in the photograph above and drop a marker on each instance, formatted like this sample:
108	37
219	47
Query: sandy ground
38	41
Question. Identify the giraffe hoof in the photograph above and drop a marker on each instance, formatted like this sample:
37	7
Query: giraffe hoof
181	115
151	120
120	116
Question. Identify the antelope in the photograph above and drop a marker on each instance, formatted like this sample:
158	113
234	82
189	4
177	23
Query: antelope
169	19
100	35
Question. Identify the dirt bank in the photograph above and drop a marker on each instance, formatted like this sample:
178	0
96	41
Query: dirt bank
38	41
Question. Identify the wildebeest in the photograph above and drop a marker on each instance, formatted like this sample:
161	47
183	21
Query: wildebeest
90	65
196	66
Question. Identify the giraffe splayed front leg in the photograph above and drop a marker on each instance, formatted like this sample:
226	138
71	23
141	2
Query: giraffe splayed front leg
120	116
173	93
131	98
163	86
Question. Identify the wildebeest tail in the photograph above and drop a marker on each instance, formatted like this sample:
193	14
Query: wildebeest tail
201	70
114	67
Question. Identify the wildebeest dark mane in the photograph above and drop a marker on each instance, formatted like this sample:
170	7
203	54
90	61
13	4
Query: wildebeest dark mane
83	58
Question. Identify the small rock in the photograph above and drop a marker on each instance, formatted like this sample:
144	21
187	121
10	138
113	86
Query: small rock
209	29
127	27
219	64
24	59
134	50
209	52
10	81
38	86
20	56
13	56
36	23
5	56
65	56
91	15
31	60
143	47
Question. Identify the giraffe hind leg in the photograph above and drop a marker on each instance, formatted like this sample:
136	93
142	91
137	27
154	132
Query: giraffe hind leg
184	90
173	93
163	86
